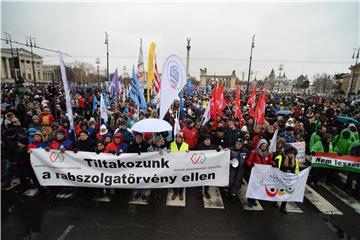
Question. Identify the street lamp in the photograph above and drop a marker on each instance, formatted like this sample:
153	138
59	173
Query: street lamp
353	74
32	44
281	67
107	54
251	51
98	74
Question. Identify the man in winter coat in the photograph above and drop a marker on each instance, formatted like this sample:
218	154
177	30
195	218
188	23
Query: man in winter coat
206	145
125	132
239	152
84	143
139	146
190	134
179	146
60	142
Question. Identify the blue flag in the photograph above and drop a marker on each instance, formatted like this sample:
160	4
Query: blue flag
136	94
189	87
95	103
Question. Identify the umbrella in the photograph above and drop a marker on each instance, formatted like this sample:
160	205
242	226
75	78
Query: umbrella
284	112
345	119
151	125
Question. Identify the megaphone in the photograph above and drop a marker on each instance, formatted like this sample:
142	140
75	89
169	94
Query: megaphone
234	162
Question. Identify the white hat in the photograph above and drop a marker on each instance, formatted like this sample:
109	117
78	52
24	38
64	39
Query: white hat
102	128
244	129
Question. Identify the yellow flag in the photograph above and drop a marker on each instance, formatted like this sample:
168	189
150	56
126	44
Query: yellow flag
150	68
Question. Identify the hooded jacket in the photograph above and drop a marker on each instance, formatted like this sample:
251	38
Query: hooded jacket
55	144
342	145
256	157
116	148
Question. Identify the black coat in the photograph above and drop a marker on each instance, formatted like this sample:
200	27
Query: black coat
137	148
87	146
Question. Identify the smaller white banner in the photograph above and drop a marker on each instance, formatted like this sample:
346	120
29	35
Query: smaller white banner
271	184
300	146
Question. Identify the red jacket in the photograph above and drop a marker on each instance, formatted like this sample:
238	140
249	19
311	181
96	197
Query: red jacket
47	119
190	136
256	158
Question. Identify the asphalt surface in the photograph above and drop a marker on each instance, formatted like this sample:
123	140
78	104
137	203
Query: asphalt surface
46	217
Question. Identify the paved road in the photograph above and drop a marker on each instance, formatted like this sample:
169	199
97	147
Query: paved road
327	213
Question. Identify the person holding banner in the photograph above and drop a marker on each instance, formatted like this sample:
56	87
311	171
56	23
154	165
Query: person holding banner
138	146
206	145
239	155
260	155
323	145
288	163
178	146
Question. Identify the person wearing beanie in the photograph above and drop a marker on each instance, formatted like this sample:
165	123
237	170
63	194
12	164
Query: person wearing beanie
241	153
288	135
117	146
84	143
205	145
178	146
190	134
60	142
103	131
260	155
37	141
220	139
354	131
288	163
125	132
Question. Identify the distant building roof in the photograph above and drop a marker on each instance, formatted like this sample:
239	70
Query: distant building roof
22	51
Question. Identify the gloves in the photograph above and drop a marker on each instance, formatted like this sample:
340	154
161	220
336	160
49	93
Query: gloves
62	149
47	149
97	152
113	152
139	153
75	150
218	149
118	153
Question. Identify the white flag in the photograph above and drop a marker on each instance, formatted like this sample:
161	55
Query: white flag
272	147
207	114
69	111
173	79
271	184
103	110
177	127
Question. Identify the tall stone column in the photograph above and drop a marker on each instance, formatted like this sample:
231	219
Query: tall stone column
188	57
8	71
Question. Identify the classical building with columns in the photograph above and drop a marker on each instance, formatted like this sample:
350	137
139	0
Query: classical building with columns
228	80
26	67
354	75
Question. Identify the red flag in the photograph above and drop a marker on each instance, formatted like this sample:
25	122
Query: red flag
220	100
213	108
260	110
251	101
238	113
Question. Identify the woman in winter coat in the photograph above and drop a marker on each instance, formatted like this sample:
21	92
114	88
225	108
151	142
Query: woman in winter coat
117	146
260	155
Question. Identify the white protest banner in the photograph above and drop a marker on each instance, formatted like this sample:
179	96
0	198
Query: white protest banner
335	161
131	170
271	184
300	146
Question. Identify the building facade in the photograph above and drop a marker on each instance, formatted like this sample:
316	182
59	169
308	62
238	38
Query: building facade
25	64
51	73
207	79
355	75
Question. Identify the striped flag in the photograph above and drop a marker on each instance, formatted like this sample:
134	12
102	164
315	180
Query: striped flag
157	78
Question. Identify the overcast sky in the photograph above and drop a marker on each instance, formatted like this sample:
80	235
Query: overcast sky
305	37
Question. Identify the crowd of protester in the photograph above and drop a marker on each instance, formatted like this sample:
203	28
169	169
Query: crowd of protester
37	118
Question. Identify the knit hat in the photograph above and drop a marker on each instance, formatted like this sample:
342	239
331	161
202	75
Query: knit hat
85	132
290	149
61	131
244	129
102	128
38	133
